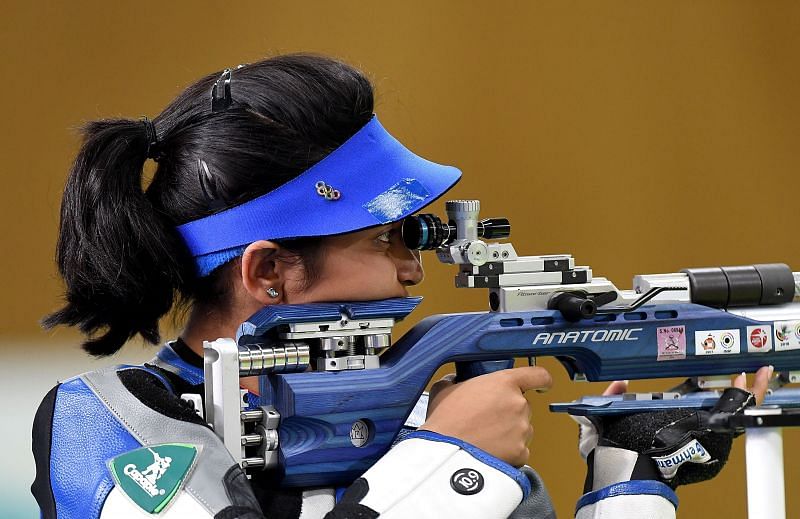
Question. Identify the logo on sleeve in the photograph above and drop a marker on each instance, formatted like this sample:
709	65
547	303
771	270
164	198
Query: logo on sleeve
467	481
151	476
692	452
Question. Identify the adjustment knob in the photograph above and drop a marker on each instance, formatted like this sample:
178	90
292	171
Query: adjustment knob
494	228
573	306
462	208
477	253
464	214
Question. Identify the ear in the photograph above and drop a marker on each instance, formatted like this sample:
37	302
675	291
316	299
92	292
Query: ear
262	271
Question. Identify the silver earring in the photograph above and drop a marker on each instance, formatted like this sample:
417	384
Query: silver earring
271	292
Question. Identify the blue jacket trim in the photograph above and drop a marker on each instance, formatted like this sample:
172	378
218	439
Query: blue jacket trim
480	455
191	374
629	488
85	436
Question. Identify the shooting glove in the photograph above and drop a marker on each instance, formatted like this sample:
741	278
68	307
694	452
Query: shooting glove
674	446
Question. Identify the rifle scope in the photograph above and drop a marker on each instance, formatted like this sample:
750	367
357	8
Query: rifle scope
427	231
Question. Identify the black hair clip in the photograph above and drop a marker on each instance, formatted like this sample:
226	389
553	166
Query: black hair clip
221	91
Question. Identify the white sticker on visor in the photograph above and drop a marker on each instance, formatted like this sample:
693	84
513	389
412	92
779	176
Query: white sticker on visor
396	201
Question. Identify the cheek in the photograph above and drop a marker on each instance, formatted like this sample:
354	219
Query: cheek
366	272
358	277
355	271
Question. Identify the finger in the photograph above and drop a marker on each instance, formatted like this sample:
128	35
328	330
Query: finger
761	383
529	377
740	381
616	388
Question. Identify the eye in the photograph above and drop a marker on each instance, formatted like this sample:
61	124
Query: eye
385	237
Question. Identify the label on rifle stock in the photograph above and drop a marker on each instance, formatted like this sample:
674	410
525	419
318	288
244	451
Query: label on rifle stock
717	342
787	335
671	342
759	339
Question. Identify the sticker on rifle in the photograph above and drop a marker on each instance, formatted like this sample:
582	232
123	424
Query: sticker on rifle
717	342
671	342
787	335
759	338
151	476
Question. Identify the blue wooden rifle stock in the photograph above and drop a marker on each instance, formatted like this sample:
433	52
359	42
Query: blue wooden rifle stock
327	426
319	408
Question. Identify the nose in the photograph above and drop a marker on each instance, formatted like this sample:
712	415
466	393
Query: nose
409	266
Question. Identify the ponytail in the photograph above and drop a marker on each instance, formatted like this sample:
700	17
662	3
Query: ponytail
120	262
123	263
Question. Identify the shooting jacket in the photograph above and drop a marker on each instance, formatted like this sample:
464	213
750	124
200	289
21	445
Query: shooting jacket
120	443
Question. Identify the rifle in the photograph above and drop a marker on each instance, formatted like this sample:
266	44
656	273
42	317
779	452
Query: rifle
327	426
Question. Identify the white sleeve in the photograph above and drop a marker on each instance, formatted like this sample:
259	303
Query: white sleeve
629	500
429	475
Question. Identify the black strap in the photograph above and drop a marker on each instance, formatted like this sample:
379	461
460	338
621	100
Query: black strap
42	441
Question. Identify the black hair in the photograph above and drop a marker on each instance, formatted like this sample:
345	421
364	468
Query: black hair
122	261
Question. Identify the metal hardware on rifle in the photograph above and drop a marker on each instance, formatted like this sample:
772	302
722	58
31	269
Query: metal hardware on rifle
341	343
457	241
754	418
249	432
257	359
553	282
574	306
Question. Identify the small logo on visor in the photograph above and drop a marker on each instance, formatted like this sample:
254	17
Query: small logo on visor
327	191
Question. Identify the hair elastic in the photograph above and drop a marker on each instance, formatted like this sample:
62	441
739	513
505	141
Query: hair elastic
153	151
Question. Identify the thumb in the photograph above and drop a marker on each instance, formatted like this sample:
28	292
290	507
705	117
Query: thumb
616	388
530	377
441	384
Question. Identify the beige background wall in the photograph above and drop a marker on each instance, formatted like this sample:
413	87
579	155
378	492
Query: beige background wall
640	136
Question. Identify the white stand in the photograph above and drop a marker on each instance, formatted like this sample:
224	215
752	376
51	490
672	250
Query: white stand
764	459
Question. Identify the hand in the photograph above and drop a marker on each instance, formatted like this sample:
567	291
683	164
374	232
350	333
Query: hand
587	434
760	383
489	411
679	434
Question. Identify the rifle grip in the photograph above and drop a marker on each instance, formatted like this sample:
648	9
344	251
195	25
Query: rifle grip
468	370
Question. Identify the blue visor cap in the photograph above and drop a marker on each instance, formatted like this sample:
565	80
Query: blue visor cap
371	179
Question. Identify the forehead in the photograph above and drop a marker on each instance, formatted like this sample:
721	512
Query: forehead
364	234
